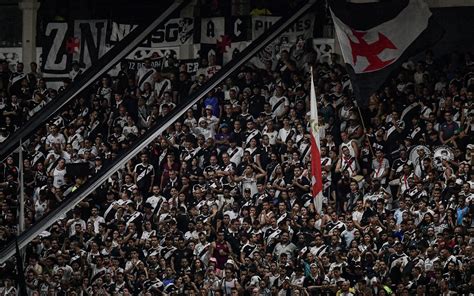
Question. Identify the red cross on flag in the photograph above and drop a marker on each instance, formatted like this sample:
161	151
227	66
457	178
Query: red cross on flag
316	171
72	45
375	38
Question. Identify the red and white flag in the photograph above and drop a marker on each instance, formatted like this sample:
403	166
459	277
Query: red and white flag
376	38
316	175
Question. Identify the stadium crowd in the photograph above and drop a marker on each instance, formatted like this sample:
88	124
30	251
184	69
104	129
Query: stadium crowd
220	204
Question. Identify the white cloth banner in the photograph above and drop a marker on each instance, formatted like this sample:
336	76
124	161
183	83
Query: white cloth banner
234	49
301	28
212	29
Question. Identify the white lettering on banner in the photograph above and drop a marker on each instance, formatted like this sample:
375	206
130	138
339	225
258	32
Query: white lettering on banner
119	31
158	56
135	65
302	27
175	32
237	31
192	67
91	35
55	60
88	40
261	23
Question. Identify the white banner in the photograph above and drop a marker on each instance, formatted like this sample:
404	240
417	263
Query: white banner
90	36
262	23
55	55
159	57
212	29
175	32
324	47
301	28
234	49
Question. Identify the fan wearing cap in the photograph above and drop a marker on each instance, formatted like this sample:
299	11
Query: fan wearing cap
203	129
211	119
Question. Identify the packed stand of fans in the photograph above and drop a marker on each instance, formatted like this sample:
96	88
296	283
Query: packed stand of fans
220	204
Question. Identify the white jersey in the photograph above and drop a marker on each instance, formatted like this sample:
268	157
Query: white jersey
145	75
58	177
279	104
235	154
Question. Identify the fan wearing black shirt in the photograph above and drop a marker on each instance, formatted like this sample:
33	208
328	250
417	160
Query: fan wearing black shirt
256	102
144	174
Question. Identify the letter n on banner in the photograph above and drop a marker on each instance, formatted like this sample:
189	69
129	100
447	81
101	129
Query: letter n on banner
91	35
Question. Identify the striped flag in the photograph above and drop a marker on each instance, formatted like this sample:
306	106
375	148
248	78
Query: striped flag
316	176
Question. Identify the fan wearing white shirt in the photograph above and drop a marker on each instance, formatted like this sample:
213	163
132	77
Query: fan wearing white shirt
280	103
55	137
161	85
235	152
145	74
95	219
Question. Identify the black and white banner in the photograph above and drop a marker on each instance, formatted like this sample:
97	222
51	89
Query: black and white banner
86	41
262	23
212	29
159	57
192	66
56	60
238	28
175	32
324	47
234	49
301	28
89	41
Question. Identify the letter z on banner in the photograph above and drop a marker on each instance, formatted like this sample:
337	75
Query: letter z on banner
55	58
